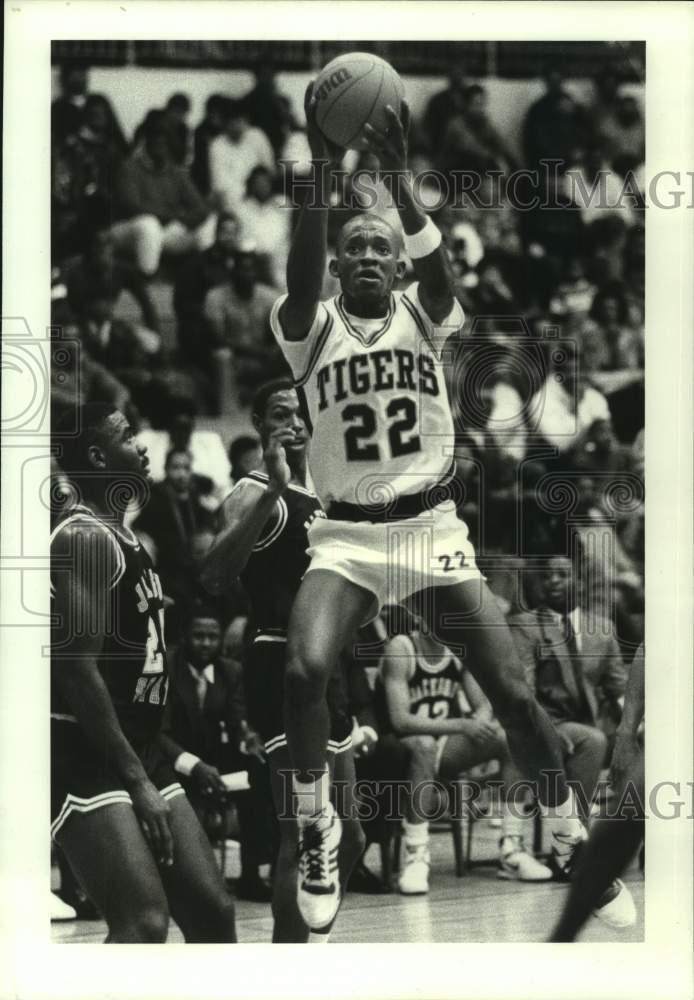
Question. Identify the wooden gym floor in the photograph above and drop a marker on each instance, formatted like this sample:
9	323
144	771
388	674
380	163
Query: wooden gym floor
476	908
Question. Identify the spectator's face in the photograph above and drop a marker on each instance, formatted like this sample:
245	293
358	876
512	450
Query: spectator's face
477	106
97	117
244	274
203	641
180	430
282	412
178	472
75	81
558	584
609	310
227	235
554	82
157	145
628	111
236	127
261	186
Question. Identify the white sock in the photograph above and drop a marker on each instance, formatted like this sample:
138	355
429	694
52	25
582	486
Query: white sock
311	796
564	818
315	938
511	822
415	834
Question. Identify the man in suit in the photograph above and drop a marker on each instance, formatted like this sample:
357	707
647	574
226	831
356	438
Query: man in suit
573	663
206	735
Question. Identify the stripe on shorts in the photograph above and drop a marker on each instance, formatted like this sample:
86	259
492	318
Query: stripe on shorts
73	803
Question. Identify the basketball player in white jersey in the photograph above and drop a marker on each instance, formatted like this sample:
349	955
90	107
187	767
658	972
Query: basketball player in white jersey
370	367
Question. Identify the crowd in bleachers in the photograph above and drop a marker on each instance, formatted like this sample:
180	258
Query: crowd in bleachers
189	224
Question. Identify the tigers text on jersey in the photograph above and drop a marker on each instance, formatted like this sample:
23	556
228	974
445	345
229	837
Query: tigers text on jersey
132	661
275	567
375	396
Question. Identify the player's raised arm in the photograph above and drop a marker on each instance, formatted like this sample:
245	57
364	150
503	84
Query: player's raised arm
308	252
422	238
83	564
245	512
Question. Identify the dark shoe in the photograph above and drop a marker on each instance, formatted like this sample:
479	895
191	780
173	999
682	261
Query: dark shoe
363	880
253	889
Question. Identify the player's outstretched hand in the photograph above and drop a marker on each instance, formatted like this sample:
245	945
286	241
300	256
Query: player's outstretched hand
390	146
275	457
153	812
321	147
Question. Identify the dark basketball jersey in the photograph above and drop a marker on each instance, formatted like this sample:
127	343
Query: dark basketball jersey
133	657
436	689
278	561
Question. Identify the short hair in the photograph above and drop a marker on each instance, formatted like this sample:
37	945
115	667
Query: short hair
369	218
172	452
178	102
474	90
156	123
234	108
262	396
215	102
202	609
239	446
91	418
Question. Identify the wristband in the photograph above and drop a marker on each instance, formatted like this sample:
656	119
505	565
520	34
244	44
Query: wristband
424	242
185	762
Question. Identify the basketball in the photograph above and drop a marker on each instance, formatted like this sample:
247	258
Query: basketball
350	91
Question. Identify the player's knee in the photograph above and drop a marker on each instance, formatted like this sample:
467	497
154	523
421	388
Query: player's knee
147	226
306	677
150	925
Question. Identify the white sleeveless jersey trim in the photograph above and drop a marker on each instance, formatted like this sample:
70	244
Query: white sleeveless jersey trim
84	514
302	355
355	332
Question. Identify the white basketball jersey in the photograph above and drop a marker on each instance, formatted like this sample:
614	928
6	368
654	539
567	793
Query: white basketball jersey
375	395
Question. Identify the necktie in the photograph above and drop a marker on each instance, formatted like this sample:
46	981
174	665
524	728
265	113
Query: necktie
575	656
201	689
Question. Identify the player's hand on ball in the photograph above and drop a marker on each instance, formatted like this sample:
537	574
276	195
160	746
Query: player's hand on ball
275	457
390	146
207	778
321	147
153	812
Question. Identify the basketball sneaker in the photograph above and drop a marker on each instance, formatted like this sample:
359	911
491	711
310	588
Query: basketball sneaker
516	863
414	878
318	894
617	908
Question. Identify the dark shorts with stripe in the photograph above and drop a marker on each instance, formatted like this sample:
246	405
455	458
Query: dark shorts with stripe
264	668
82	781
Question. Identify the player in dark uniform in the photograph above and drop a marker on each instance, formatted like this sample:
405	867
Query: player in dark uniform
117	809
437	708
263	540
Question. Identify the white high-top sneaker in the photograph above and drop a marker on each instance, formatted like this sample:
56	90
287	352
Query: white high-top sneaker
414	877
318	895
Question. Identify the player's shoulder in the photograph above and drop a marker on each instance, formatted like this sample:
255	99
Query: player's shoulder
399	646
82	523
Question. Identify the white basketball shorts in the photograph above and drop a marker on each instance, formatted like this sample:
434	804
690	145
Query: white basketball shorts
396	559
